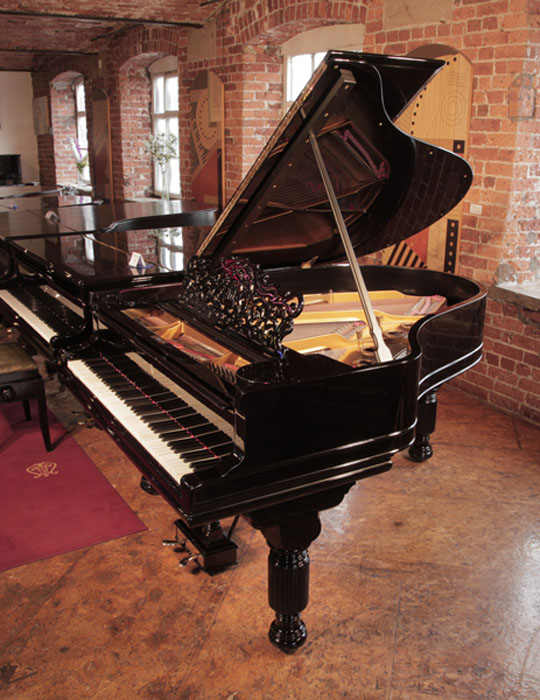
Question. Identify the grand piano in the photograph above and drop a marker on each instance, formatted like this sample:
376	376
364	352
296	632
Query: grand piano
262	371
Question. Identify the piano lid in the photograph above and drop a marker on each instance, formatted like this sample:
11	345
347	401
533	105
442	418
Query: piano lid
102	259
389	185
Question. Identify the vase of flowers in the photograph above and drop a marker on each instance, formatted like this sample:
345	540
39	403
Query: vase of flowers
81	159
162	148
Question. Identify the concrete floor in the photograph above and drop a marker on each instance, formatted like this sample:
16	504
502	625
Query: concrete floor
425	583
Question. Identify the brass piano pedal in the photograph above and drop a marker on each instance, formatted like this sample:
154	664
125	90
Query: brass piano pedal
181	544
83	418
187	560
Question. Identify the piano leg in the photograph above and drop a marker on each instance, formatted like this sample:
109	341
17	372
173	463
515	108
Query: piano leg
147	487
289	534
288	579
421	449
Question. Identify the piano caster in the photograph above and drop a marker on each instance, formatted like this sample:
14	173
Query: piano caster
287	632
147	487
421	449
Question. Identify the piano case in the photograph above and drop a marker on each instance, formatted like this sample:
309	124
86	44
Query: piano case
252	372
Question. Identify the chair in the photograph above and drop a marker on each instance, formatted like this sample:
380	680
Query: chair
20	380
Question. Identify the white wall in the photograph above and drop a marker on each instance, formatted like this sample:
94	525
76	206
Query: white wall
17	123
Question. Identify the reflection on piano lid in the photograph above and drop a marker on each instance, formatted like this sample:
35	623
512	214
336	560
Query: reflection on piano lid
23	191
45	202
68	217
125	215
100	260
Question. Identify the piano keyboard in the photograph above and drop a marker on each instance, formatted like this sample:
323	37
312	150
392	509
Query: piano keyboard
48	315
181	433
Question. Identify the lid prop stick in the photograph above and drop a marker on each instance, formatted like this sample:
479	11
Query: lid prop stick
382	352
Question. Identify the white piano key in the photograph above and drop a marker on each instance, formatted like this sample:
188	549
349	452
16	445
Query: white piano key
40	326
43	329
198	406
149	440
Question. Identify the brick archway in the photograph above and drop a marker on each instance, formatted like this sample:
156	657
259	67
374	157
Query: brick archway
129	86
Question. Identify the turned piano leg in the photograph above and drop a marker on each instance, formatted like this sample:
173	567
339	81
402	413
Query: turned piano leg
421	449
288	594
288	573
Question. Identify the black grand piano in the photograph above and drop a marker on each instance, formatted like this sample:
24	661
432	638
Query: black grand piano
260	370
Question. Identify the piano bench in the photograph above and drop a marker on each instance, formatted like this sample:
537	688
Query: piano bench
20	380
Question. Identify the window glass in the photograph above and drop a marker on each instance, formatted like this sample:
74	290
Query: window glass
159	102
303	52
165	121
79	97
171	93
82	133
299	71
81	147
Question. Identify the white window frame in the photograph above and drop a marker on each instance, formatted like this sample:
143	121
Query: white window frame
165	69
313	45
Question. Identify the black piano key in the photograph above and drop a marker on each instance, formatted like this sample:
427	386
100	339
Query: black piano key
203	455
148	409
158	410
163	423
213	440
198	431
189	422
169	435
194	438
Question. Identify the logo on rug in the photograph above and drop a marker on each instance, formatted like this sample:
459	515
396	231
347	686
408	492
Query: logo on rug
42	469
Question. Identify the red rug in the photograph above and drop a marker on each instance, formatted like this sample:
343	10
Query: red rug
52	502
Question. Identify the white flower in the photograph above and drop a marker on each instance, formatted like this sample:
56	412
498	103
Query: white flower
162	147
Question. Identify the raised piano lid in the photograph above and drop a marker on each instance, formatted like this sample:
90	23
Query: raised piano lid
111	216
389	185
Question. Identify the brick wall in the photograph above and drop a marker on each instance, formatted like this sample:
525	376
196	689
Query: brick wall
499	244
509	375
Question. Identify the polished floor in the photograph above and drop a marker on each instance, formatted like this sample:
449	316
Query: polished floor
425	583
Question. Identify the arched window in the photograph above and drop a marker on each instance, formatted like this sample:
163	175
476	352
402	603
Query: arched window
303	53
165	109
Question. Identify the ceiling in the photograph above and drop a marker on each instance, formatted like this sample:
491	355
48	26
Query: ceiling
31	31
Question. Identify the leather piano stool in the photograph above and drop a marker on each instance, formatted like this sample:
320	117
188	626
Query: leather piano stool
20	380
